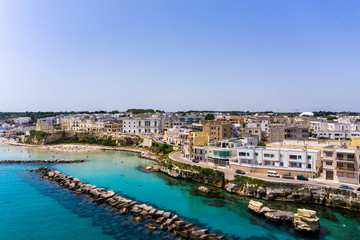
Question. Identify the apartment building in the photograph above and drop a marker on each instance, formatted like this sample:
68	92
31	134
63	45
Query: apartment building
279	132
222	153
282	160
21	120
216	130
263	124
70	124
232	119
44	126
113	127
338	135
142	126
341	164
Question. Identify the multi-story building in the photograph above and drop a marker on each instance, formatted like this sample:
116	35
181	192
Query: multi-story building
44	126
216	130
341	164
70	124
232	119
21	120
151	125
338	135
222	152
87	126
283	160
113	127
279	132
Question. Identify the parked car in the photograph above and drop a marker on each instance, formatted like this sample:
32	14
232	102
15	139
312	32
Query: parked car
195	161
358	189
346	187
287	176
302	177
238	171
273	174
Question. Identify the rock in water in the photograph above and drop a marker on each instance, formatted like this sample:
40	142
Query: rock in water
306	221
255	206
204	189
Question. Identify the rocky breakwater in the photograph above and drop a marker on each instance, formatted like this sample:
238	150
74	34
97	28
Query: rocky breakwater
288	192
158	219
304	220
40	161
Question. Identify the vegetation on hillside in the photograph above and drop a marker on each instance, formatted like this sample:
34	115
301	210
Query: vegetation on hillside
38	134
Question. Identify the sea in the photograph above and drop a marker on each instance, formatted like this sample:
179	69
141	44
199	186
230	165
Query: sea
33	208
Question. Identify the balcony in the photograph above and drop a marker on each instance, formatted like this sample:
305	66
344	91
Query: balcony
346	168
345	159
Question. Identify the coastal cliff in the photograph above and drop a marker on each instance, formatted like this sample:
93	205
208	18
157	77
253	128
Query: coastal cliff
254	188
99	138
288	192
192	173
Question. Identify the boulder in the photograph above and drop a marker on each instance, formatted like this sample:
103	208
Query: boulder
231	187
255	206
306	221
280	216
166	214
203	189
148	168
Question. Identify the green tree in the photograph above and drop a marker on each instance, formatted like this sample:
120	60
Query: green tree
209	116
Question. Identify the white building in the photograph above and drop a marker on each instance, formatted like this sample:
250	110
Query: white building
285	159
151	125
21	120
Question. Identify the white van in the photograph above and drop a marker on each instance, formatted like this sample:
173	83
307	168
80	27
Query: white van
272	174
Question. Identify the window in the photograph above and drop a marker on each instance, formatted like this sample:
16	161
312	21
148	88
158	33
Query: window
256	154
309	166
299	157
351	156
309	157
247	154
339	155
328	163
340	165
351	165
269	155
350	175
293	156
242	154
328	154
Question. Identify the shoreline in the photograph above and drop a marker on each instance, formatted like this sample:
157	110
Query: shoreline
79	147
337	200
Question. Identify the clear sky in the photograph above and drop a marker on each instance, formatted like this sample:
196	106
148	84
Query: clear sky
179	55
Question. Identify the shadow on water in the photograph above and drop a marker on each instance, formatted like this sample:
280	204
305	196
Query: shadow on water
112	223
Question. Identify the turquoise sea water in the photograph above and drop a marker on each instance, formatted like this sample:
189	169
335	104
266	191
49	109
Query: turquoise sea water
34	208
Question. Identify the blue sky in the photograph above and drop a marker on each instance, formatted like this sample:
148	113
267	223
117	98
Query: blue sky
179	55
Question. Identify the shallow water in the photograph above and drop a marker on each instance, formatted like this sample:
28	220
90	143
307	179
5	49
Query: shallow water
34	208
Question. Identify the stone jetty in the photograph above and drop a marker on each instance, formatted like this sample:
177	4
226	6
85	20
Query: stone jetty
164	220
304	220
40	161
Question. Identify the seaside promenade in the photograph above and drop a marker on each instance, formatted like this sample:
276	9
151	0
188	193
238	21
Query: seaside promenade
230	174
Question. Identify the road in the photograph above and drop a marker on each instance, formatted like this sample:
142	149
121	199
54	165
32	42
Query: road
229	174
